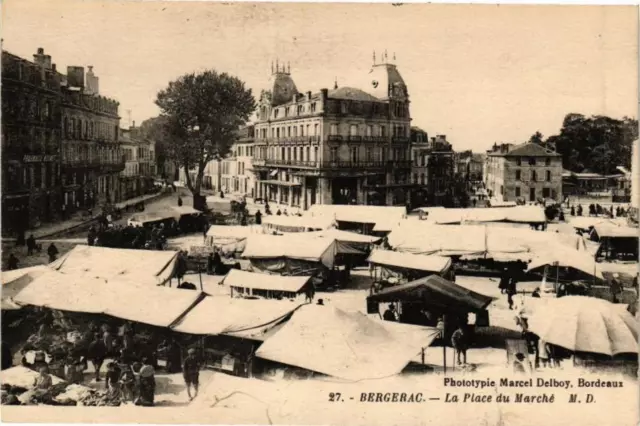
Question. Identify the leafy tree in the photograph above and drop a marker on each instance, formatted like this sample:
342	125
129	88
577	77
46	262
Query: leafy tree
201	114
537	138
598	144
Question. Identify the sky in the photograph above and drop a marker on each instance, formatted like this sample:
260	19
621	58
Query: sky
477	74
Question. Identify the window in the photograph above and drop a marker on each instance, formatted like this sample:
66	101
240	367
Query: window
354	154
289	131
343	107
295	154
383	131
333	154
547	161
315	153
295	131
334	129
501	190
286	111
518	161
301	130
517	191
300	109
415	178
277	132
548	175
369	154
369	131
282	153
546	193
518	175
313	107
532	161
288	154
275	113
353	130
534	176
316	129
308	152
421	178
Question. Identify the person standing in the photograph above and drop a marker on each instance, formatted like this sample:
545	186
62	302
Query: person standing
52	251
511	291
97	354
179	201
504	281
616	288
390	313
459	341
191	373
31	245
112	380
147	384
12	262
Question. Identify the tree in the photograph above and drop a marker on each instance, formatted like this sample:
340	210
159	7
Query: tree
537	138
598	144
201	114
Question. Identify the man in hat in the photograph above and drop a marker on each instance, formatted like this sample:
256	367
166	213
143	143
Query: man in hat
191	372
616	288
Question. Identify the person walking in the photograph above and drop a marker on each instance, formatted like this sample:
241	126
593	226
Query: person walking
191	373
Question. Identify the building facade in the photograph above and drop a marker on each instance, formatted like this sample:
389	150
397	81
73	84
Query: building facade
432	169
140	164
91	154
338	146
526	173
31	132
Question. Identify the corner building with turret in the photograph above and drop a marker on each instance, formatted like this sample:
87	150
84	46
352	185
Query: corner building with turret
341	146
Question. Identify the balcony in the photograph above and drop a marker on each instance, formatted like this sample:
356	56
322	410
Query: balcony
400	139
291	163
292	140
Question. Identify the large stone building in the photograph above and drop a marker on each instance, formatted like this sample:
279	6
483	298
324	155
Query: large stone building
340	146
526	172
91	155
31	111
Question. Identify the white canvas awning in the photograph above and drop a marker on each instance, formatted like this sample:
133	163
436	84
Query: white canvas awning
349	346
252	280
14	281
159	306
291	246
360	214
297	223
418	262
149	267
223	315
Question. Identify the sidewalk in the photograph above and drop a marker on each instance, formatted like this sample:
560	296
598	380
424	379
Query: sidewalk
78	220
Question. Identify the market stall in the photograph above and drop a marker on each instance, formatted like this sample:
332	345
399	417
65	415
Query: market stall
404	267
245	284
617	243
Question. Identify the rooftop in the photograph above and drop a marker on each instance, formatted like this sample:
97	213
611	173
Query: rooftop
525	150
351	93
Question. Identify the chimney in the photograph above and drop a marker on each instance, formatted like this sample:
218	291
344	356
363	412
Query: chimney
75	77
308	96
324	93
53	67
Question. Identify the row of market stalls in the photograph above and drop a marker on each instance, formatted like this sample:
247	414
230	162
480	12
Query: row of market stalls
320	339
520	215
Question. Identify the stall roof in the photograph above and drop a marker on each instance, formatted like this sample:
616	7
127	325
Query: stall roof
346	236
604	231
184	210
518	214
359	214
581	261
14	281
159	306
302	222
148	267
234	231
291	246
421	237
349	346
220	315
418	262
437	290
245	279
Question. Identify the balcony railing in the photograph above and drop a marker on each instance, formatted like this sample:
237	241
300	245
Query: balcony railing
393	164
292	140
294	163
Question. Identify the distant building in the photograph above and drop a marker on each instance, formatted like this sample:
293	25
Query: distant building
341	146
140	166
635	176
31	137
470	165
526	172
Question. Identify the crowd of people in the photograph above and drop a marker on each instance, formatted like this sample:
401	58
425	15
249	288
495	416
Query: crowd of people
598	210
33	247
131	361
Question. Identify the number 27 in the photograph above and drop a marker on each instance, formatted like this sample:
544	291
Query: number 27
333	397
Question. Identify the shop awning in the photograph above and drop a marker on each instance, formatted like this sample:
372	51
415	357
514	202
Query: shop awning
252	280
418	262
437	291
345	345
